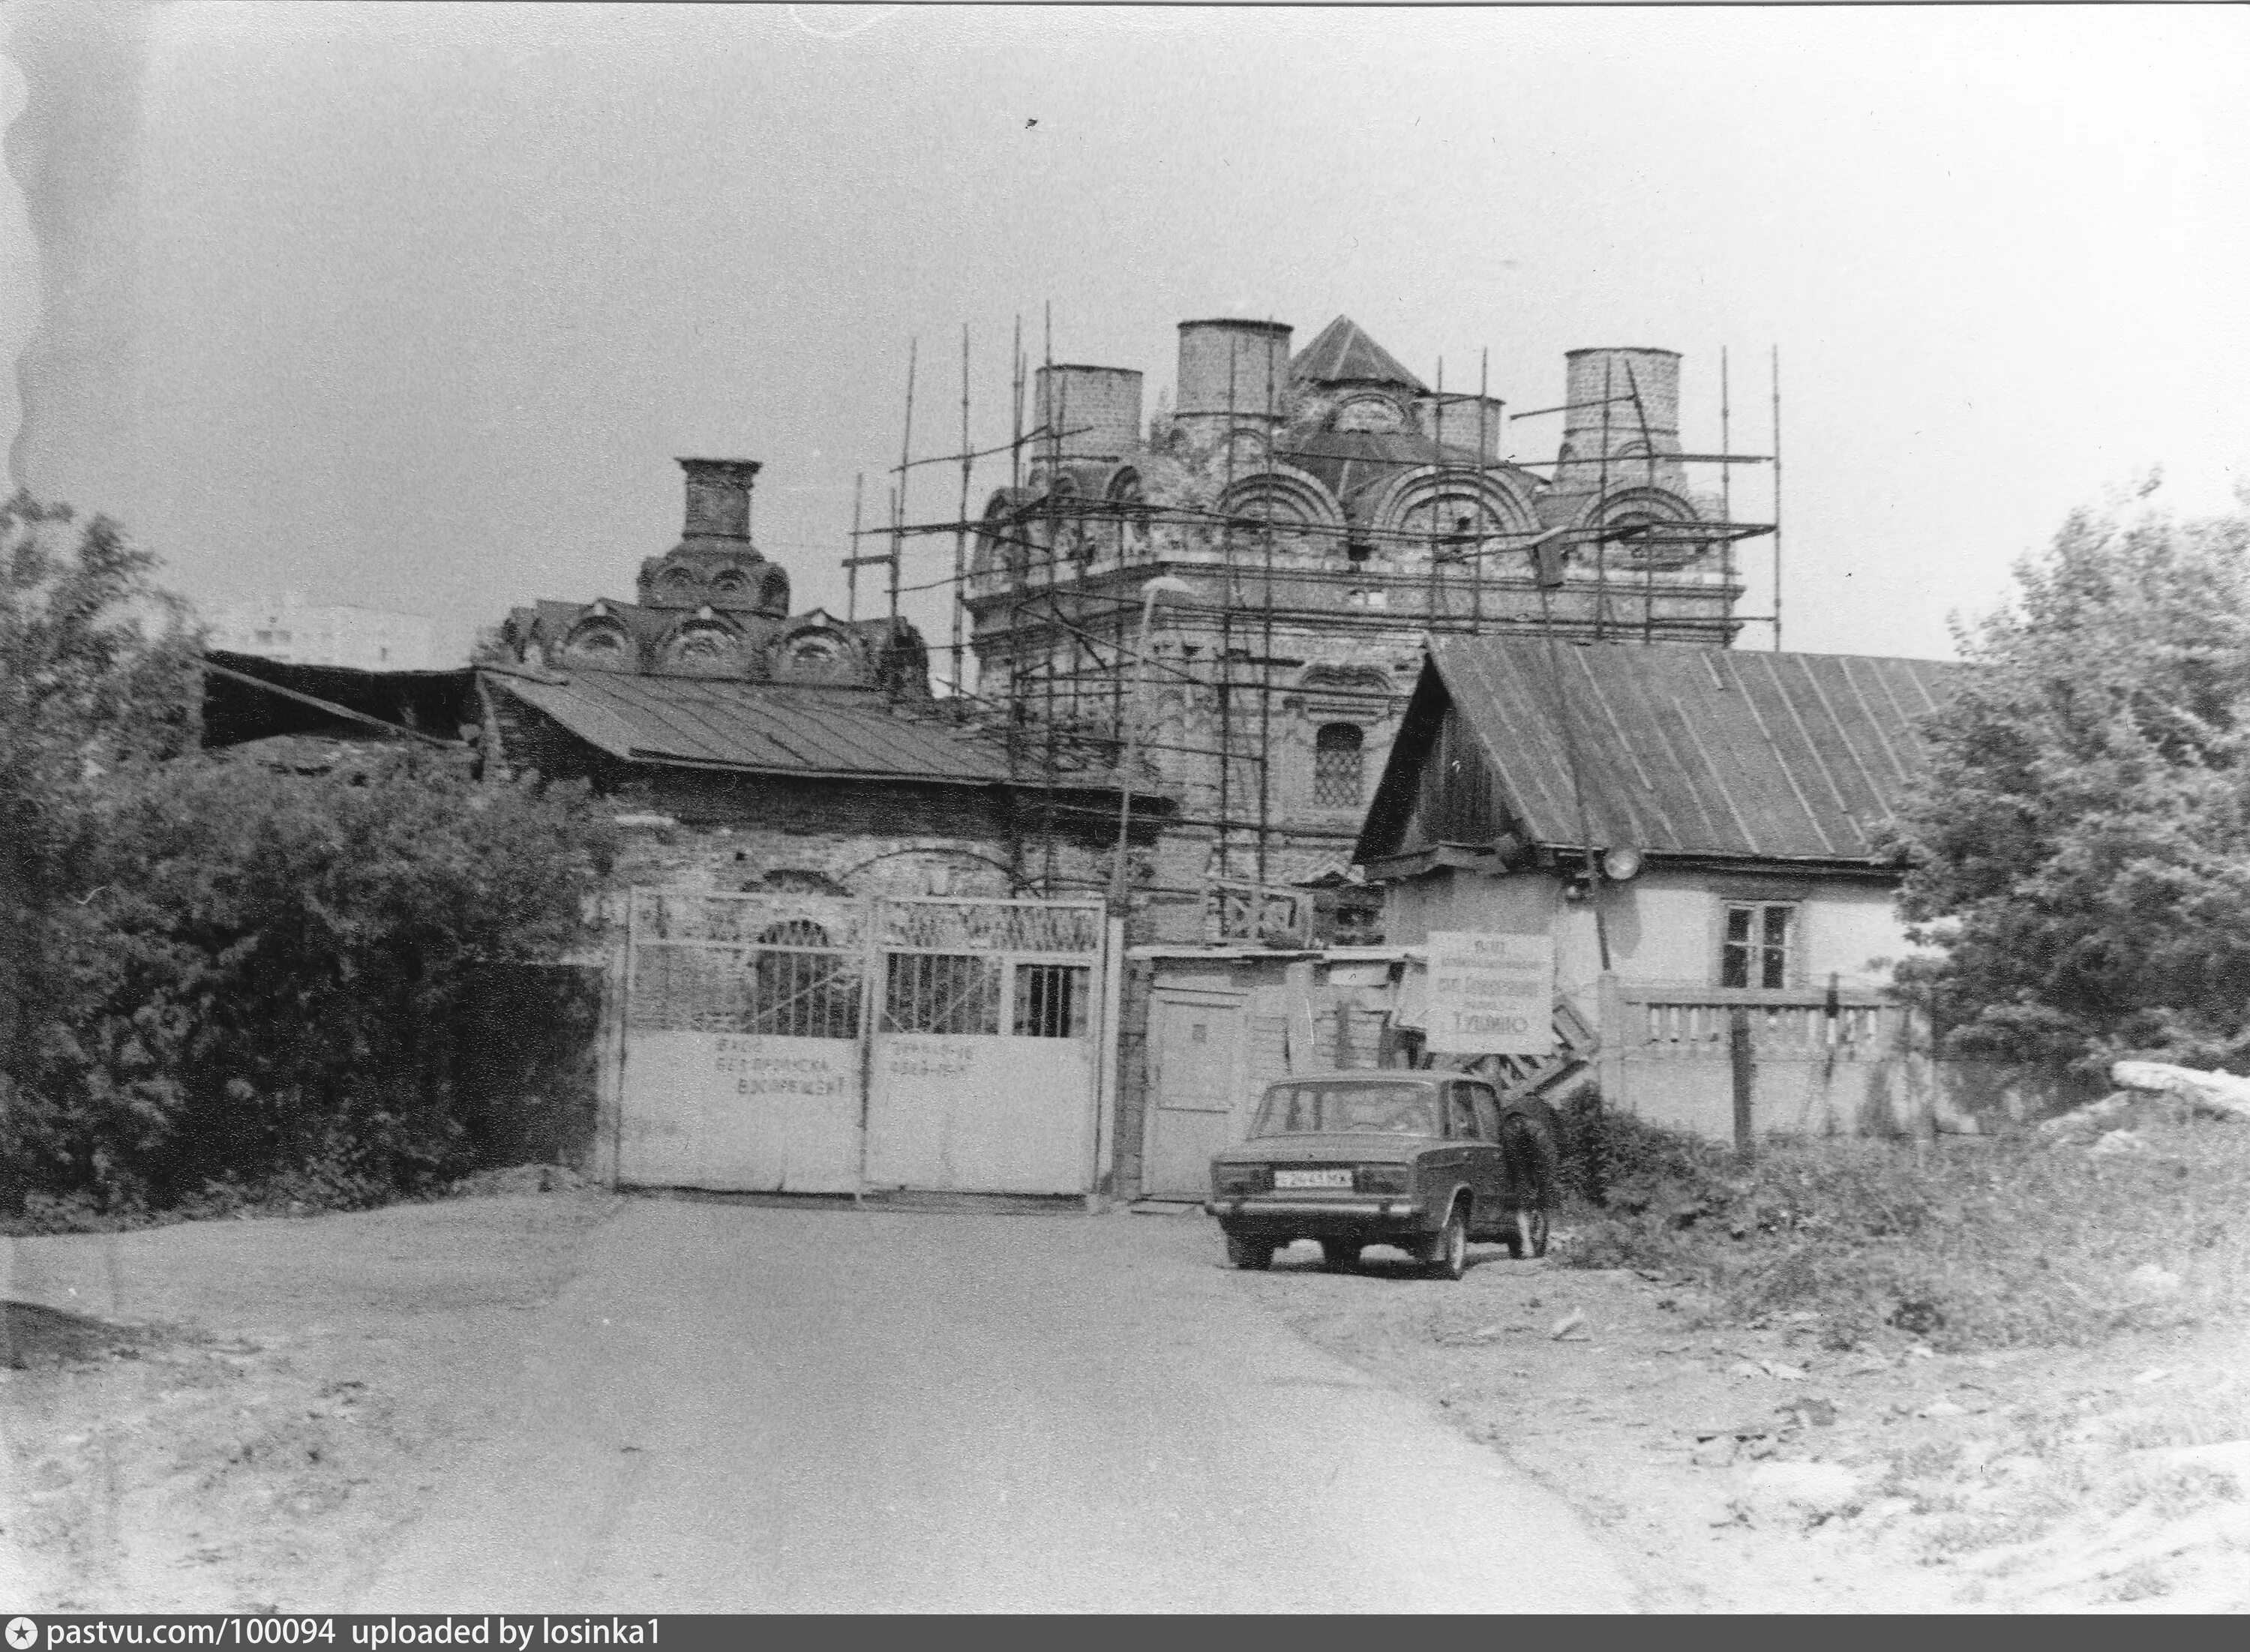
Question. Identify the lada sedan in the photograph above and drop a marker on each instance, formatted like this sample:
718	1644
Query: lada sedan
1423	1161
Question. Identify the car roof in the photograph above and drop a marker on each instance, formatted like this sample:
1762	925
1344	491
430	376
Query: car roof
1364	1075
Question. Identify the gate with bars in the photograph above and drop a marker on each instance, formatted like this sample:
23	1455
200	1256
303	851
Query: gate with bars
811	1044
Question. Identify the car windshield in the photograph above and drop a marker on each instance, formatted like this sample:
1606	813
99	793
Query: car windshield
1387	1109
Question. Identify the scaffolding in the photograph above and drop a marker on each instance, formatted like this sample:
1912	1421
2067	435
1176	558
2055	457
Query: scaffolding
1057	577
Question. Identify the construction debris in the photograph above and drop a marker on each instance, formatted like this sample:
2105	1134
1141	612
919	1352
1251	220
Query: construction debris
2222	1095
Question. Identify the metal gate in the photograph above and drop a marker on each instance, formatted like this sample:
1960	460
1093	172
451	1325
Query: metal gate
827	1045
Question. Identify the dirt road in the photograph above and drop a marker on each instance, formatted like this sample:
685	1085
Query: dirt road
575	1400
578	1402
737	1408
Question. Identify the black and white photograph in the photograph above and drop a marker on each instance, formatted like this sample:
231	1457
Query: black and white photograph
1200	810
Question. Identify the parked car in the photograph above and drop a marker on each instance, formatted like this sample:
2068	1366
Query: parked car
1425	1161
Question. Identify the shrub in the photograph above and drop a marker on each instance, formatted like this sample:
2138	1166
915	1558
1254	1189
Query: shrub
270	972
215	974
1982	1243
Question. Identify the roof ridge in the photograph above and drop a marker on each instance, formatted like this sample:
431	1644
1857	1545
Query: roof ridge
1344	351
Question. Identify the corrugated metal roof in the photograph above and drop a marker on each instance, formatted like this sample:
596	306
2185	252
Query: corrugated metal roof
1697	751
1342	351
766	727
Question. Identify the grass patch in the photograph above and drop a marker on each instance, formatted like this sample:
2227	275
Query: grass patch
1995	1242
32	1336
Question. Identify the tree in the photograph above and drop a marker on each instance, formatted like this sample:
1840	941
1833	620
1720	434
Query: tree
97	676
2079	854
214	971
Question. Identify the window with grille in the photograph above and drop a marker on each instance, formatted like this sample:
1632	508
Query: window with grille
1051	1000
1759	938
941	993
801	987
1337	760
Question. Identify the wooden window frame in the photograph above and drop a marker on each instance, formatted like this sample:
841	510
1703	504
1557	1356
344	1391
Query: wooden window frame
1760	904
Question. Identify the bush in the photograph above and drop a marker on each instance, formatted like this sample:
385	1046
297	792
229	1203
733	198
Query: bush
268	973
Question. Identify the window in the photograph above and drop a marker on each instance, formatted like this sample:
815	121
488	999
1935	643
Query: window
801	987
1460	1120
1488	1110
1393	1109
1052	1001
1759	938
1337	760
941	993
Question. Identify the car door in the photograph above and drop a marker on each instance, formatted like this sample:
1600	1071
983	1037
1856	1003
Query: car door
1488	1166
1462	1146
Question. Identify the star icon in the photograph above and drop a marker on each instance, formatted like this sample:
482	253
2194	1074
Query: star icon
23	1634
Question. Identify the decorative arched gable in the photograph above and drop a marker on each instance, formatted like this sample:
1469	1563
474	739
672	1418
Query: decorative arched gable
599	641
1650	526
1453	509
1370	411
703	645
815	649
1297	507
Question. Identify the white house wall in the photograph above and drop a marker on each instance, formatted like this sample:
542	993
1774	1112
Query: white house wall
1665	925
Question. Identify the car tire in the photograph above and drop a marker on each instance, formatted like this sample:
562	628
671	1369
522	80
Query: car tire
1339	1255
1448	1255
1255	1255
1526	1233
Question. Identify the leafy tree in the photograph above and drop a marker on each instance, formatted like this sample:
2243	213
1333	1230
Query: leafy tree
217	971
2079	855
97	676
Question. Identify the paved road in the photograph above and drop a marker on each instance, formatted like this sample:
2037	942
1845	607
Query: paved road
738	1409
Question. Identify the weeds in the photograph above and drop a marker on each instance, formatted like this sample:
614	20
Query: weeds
2010	1242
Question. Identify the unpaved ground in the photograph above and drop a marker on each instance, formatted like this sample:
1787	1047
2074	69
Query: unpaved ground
305	1386
298	1383
2026	1481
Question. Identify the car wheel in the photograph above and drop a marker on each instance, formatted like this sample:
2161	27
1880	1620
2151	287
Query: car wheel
1253	1254
1448	1256
1526	1233
1339	1255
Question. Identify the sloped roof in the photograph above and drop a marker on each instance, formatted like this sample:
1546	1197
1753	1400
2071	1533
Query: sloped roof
1701	752
1344	352
432	703
770	728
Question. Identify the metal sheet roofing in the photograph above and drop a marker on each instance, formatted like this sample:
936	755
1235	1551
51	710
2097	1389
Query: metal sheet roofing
1697	751
1344	352
767	728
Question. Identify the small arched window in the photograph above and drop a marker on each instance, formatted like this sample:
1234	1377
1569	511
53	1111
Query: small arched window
1338	755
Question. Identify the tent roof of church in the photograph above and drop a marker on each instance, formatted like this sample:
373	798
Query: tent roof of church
1343	353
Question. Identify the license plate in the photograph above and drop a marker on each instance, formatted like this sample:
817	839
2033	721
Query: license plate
1298	1179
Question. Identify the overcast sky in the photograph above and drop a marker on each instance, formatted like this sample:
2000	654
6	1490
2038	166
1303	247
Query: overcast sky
413	305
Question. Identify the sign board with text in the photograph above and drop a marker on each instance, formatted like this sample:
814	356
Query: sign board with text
1491	994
